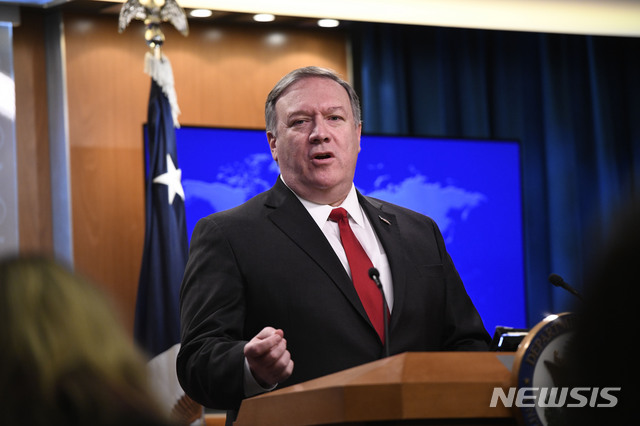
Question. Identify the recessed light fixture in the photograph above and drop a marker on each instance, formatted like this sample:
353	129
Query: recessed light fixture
328	23
276	39
264	17
200	13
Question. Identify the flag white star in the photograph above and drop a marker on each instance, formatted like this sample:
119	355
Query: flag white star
172	179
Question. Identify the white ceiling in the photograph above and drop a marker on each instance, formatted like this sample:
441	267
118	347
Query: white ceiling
595	17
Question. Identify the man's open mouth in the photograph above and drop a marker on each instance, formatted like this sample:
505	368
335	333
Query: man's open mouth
322	156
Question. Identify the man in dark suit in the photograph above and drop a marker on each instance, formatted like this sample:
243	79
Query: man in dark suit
269	283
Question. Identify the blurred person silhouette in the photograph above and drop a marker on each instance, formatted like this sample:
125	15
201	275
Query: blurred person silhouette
602	354
66	359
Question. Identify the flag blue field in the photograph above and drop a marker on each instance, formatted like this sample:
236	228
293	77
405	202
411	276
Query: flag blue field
165	247
157	318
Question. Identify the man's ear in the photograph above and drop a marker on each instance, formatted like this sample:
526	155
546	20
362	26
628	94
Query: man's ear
272	145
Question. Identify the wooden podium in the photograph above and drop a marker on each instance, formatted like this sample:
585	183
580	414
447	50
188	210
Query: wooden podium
413	388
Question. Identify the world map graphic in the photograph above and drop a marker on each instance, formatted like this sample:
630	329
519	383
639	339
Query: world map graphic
471	189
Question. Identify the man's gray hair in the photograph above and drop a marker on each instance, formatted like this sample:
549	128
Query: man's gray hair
300	74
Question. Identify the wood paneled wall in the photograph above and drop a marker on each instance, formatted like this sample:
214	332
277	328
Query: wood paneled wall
222	76
34	191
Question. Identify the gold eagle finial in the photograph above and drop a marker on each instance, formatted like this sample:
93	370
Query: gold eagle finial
153	13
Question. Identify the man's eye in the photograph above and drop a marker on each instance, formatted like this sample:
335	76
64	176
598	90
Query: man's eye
335	118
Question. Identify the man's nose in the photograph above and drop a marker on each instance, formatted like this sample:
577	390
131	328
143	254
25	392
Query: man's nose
319	132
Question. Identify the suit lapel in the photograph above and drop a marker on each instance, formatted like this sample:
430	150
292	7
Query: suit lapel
288	214
386	228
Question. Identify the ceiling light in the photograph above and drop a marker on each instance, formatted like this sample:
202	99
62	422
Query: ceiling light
200	13
328	23
276	39
264	17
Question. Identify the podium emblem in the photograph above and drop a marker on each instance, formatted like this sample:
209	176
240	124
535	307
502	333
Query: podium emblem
539	371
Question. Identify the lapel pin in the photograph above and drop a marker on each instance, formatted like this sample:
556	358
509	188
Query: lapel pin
384	220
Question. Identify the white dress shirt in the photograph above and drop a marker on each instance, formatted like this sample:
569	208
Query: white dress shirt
363	231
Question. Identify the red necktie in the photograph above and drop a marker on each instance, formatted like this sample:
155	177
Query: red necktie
359	263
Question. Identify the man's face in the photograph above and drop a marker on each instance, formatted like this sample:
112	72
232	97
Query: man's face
317	141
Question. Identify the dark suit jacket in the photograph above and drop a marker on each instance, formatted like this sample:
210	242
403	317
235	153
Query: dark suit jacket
266	263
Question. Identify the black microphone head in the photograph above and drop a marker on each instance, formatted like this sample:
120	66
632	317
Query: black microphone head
373	272
556	280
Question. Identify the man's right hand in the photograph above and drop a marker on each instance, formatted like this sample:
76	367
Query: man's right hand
269	360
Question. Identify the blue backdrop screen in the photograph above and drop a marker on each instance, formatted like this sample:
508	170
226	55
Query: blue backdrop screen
471	188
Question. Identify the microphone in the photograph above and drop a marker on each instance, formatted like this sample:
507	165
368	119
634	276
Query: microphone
375	276
557	280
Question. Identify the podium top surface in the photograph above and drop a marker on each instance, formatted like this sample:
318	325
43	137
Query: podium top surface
412	385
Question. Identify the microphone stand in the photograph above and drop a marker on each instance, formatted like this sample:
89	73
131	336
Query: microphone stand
557	281
375	276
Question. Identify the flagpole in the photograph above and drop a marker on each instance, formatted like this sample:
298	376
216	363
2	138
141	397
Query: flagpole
157	321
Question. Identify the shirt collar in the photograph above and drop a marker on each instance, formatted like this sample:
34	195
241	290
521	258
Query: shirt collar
320	212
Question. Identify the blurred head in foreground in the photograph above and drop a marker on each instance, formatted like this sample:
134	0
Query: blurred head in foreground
603	352
65	358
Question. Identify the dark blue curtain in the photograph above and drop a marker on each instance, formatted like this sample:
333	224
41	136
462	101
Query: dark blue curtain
572	101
